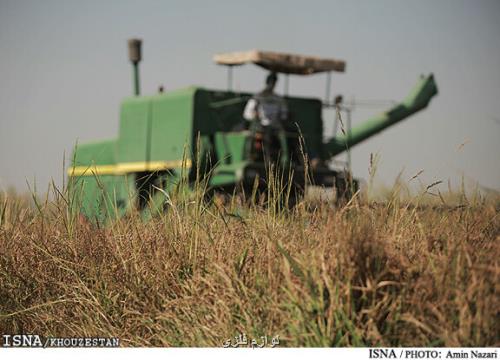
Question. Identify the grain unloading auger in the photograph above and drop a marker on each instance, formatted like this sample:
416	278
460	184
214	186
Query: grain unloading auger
417	100
177	137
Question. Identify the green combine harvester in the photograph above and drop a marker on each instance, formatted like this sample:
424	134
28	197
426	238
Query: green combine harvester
182	136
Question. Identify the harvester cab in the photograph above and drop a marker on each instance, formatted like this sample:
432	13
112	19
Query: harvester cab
297	143
177	137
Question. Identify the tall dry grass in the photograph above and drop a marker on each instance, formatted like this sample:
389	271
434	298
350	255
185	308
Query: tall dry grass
392	274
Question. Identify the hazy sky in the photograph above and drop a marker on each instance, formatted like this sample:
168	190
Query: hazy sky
64	71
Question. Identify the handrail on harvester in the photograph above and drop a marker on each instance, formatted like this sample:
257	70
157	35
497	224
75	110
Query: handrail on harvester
417	100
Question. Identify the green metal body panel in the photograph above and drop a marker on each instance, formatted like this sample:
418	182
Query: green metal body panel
228	174
171	132
306	113
156	128
230	146
101	197
132	144
211	117
98	153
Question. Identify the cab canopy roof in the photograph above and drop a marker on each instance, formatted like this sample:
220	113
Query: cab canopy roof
281	62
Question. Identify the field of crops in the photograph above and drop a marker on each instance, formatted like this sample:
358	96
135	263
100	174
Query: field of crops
407	272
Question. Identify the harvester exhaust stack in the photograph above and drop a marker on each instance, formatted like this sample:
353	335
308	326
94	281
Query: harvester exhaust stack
134	55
